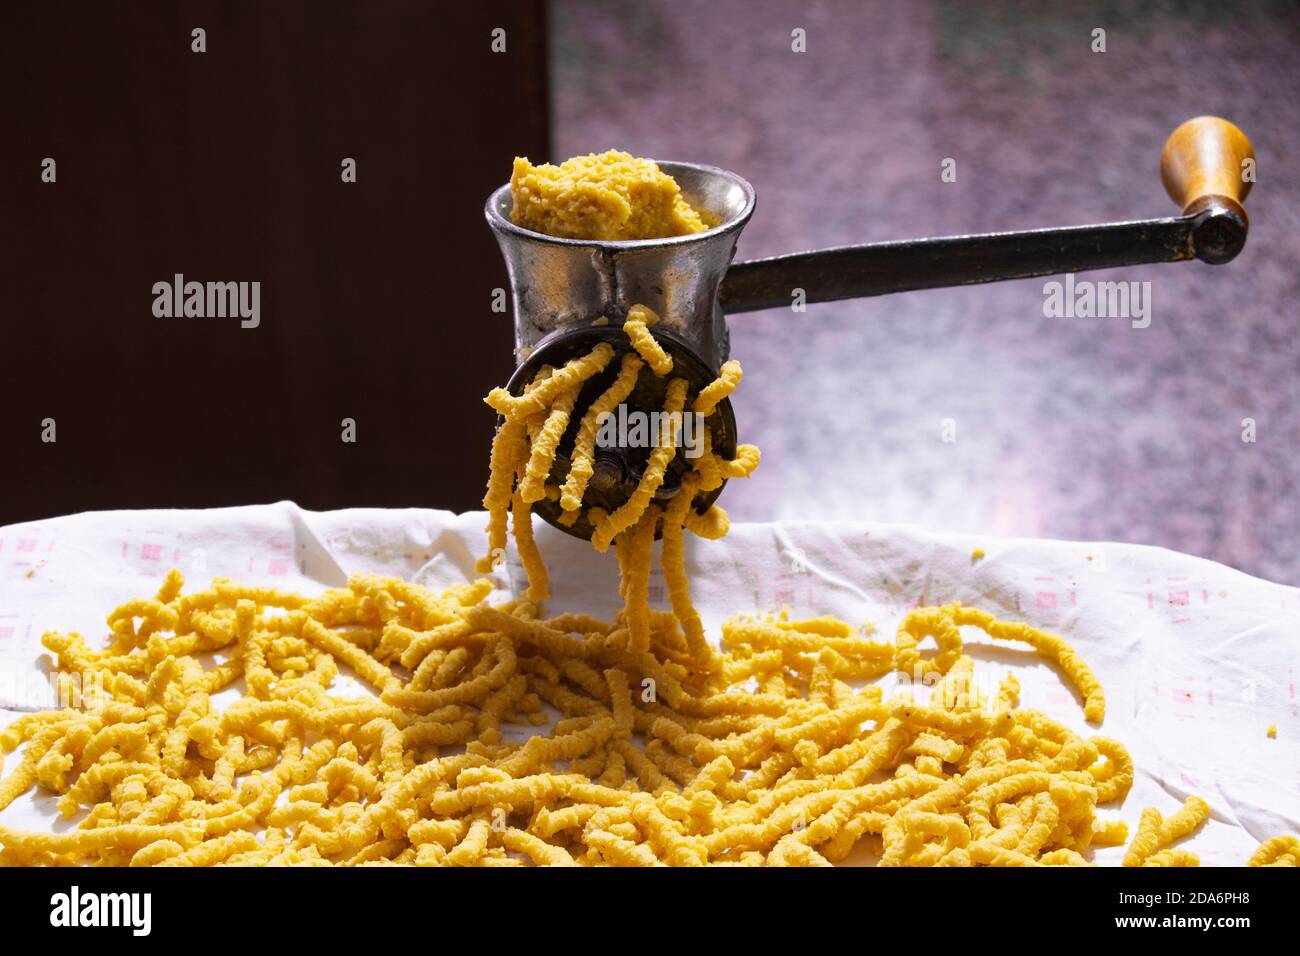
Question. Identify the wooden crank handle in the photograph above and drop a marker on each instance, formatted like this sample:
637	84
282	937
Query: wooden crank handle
1205	171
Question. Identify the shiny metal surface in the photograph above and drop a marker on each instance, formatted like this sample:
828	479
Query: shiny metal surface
560	284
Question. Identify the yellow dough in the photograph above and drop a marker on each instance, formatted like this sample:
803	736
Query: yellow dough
612	196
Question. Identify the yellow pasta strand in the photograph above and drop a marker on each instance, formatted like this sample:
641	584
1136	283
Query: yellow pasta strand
539	399
712	394
637	327
664	452
584	445
542	455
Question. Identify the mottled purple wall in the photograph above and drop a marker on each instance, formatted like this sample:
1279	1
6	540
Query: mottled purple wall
1066	428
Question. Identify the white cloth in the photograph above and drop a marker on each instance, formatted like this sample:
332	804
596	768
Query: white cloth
1197	660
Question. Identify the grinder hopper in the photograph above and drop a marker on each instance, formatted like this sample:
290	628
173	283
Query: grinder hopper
570	294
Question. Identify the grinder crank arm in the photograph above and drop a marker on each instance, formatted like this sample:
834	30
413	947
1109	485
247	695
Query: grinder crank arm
1201	166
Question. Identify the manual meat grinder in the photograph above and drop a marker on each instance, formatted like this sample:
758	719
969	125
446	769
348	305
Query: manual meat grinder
570	294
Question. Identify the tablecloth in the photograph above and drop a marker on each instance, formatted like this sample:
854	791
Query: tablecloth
1197	660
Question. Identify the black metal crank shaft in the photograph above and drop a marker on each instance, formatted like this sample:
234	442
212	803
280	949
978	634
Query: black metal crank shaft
1214	233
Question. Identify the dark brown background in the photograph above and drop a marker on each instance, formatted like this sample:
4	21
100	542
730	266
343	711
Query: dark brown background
226	166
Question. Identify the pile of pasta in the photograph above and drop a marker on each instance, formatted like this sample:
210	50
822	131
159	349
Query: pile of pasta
501	735
763	755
